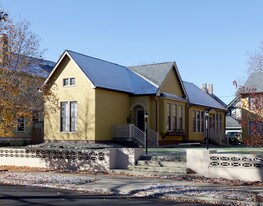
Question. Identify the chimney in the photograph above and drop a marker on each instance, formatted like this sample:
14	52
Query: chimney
210	89
3	49
204	87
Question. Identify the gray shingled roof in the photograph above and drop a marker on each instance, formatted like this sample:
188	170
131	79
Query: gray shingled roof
232	123
254	81
155	73
198	97
112	76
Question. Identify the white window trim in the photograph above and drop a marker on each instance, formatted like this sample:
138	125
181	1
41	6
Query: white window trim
172	116
69	82
199	120
68	120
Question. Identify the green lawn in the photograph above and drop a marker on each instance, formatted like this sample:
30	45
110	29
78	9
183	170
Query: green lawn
176	150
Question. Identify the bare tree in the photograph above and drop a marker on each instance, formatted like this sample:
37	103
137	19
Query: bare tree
21	75
255	61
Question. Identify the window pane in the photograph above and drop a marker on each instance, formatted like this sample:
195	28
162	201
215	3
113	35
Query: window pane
168	126
21	124
180	113
72	81
198	121
202	121
175	117
64	115
194	121
73	116
65	82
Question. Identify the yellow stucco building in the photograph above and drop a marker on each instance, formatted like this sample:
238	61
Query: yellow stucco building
102	101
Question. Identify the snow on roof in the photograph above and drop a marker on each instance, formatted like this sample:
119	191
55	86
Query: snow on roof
109	75
198	97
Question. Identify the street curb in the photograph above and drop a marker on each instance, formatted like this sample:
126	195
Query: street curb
207	200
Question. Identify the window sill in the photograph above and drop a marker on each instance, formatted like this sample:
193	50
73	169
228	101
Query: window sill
68	132
175	133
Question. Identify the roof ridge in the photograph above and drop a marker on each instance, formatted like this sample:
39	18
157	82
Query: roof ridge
151	64
95	58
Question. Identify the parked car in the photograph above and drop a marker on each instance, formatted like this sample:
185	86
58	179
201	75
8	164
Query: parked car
234	138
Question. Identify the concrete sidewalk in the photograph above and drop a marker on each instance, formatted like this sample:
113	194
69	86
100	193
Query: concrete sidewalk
180	191
164	188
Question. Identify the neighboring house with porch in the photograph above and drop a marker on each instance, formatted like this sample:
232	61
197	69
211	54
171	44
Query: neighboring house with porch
101	101
233	118
251	96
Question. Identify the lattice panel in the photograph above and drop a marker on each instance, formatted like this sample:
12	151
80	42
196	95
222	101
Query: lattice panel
47	154
236	161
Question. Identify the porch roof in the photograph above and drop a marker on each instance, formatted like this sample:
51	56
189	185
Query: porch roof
172	96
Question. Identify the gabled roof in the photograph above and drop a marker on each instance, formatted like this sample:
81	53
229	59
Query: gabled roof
198	97
34	66
42	68
234	103
254	83
107	75
157	73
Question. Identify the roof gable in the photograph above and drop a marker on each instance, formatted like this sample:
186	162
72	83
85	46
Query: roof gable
158	73
155	73
107	75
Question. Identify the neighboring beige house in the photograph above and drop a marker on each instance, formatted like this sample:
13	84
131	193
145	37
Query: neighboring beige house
27	130
101	101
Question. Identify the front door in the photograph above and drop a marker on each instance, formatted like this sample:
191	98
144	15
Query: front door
140	119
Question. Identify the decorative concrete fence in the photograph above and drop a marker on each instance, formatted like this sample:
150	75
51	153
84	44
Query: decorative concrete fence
100	160
247	167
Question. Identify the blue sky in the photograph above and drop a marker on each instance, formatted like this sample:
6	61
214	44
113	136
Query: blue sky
208	39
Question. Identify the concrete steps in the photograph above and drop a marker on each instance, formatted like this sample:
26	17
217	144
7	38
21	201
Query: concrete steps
161	164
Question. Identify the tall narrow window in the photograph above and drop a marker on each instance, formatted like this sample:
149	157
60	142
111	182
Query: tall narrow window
198	121
202	122
174	116
20	124
220	122
180	114
68	116
64	117
168	111
73	116
194	121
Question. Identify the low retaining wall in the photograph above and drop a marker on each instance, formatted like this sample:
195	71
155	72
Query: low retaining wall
70	159
15	141
246	167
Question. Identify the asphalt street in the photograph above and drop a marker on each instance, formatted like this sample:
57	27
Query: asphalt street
13	195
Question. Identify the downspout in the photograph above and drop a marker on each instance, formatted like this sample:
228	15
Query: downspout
156	119
187	121
156	112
